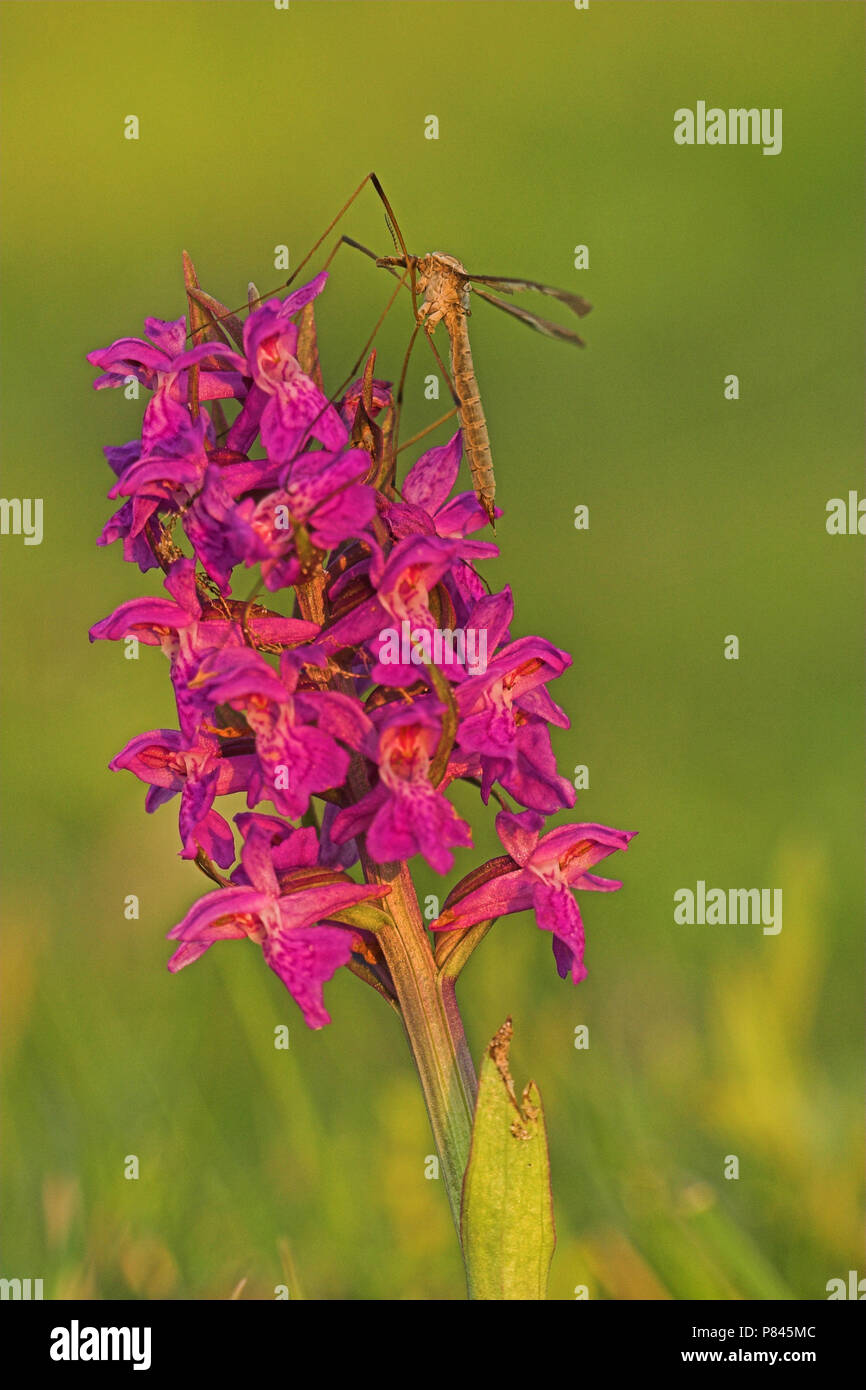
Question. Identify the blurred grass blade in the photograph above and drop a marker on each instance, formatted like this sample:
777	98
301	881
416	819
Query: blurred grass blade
507	1217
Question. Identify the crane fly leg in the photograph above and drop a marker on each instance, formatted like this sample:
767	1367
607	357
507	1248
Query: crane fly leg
428	429
368	178
398	406
356	245
331	225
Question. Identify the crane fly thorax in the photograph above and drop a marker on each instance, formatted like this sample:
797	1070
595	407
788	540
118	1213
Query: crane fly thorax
442	281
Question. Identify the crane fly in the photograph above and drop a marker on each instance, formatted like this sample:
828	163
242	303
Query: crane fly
445	285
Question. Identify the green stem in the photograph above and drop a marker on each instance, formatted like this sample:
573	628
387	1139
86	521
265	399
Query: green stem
425	998
433	1026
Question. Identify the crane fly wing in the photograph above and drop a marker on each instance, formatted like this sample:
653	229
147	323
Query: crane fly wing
550	330
575	302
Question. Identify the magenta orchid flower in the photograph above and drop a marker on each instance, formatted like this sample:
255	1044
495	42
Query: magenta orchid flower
276	905
169	764
321	494
381	397
427	507
405	814
505	711
294	409
296	731
541	872
186	629
402	594
171	471
165	359
128	523
165	368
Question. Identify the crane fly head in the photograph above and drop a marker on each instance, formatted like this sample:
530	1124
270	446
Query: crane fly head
405	262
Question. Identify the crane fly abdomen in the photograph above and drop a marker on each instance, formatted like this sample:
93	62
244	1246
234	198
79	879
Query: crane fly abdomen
476	440
445	286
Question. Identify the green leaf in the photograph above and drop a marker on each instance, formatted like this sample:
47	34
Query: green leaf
507	1216
365	915
453	948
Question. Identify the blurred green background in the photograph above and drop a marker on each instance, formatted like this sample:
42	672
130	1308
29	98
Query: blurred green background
706	519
